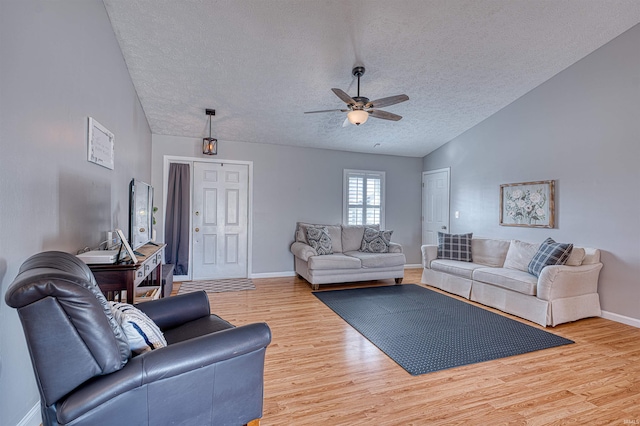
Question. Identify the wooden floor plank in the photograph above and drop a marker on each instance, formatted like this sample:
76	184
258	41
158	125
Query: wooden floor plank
320	371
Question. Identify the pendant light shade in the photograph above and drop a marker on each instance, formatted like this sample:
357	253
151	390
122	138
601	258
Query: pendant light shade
357	116
210	145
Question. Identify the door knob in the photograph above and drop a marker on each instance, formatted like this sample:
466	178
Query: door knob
197	229
197	213
444	227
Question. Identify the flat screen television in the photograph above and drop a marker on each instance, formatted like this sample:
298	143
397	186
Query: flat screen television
140	213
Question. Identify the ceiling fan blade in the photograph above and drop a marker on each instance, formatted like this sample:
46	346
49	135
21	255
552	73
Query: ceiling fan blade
327	110
345	98
391	100
384	115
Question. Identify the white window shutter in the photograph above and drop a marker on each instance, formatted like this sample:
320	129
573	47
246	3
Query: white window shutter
363	195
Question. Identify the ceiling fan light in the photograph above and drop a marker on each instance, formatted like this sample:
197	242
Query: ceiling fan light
357	116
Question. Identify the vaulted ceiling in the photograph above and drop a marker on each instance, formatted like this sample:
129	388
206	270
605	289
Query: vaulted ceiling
261	63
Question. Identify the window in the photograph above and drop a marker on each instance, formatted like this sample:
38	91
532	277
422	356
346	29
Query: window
363	194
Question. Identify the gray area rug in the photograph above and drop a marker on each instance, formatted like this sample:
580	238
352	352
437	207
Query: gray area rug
217	286
425	331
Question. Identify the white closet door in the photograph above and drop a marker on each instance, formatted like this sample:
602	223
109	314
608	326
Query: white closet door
435	205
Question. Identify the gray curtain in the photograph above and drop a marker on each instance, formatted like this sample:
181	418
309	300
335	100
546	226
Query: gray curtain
176	225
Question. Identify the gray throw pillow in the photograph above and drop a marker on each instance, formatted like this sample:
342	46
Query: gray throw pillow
454	246
374	241
319	239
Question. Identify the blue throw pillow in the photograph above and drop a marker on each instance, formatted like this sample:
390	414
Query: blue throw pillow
549	253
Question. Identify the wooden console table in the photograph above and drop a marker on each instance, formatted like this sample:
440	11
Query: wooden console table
114	278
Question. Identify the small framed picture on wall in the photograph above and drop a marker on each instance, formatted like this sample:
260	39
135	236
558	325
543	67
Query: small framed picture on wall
100	148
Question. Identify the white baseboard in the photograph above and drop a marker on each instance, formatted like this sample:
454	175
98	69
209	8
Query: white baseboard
413	266
32	418
274	274
293	273
621	318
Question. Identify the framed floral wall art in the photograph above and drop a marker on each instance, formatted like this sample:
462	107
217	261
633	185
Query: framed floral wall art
530	204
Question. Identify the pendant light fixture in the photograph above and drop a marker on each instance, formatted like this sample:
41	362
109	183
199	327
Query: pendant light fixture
210	145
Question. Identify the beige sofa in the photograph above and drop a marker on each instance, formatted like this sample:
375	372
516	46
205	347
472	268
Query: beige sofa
347	263
498	278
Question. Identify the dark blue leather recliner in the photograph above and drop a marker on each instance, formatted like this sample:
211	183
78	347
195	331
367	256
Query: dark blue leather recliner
210	373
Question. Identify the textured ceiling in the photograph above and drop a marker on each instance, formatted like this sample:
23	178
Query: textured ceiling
262	63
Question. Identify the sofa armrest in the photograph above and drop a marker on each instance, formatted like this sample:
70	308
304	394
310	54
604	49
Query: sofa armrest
429	253
174	311
395	248
559	281
303	251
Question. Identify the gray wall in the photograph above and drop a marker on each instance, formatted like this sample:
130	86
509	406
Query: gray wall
581	128
60	63
304	184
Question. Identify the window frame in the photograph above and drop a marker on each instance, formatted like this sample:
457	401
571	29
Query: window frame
347	173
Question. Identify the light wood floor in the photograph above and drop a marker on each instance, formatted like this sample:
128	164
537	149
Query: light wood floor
320	371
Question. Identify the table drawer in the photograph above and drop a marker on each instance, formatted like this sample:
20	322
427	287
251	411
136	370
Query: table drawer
144	270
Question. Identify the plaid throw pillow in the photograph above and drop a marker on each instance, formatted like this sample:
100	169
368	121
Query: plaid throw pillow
549	253
454	246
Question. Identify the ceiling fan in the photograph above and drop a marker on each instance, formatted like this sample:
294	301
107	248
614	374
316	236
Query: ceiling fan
360	108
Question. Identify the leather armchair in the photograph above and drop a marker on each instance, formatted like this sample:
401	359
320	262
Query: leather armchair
210	373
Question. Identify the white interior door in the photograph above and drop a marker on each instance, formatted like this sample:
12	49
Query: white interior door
435	205
220	220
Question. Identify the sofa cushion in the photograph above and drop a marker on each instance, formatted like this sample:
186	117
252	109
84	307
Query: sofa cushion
334	261
319	239
455	267
375	241
549	253
512	279
576	257
591	256
454	246
489	252
335	232
378	260
519	255
352	236
301	232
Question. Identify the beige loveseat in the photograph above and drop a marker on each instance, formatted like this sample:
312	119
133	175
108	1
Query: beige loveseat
498	277
347	263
